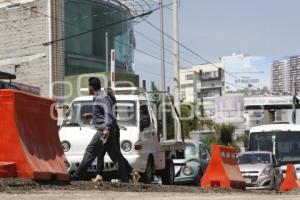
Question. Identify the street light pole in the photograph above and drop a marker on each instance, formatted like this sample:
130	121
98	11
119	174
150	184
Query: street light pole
176	57
163	71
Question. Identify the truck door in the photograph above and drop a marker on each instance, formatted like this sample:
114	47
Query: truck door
148	133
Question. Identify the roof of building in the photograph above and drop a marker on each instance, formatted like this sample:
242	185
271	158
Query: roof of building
204	67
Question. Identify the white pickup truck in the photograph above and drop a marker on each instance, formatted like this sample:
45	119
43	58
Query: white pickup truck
142	142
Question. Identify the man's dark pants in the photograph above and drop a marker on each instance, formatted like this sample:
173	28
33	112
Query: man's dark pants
92	151
100	158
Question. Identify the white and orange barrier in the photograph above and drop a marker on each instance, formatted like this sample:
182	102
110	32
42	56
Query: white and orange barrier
223	170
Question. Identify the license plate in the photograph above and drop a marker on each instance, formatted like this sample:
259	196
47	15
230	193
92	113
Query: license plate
248	180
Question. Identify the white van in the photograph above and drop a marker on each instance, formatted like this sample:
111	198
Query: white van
142	143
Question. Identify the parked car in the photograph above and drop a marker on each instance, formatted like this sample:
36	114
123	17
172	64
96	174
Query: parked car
260	170
197	157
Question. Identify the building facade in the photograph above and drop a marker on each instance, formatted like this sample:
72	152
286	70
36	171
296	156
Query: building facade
203	83
22	34
87	53
283	74
42	41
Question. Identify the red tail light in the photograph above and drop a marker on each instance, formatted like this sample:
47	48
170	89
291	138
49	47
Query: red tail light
138	147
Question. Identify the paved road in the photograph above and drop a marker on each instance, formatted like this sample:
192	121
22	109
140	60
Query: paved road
108	195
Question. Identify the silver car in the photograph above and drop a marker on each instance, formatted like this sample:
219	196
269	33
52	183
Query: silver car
196	160
260	170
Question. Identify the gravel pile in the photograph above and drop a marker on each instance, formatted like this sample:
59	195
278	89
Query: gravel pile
26	186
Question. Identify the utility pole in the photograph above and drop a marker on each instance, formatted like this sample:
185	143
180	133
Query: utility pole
176	57
163	71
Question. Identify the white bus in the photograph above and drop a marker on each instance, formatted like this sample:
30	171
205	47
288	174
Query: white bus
281	139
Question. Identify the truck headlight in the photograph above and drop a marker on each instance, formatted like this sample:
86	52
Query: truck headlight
266	172
187	171
126	146
66	146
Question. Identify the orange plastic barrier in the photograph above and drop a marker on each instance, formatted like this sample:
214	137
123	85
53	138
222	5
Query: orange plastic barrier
8	169
29	137
223	170
290	181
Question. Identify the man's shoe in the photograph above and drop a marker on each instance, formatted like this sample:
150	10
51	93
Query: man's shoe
135	175
98	179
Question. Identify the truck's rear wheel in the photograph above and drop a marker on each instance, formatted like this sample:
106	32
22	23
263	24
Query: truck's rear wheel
168	174
147	177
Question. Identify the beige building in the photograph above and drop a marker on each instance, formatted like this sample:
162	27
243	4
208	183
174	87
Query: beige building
203	83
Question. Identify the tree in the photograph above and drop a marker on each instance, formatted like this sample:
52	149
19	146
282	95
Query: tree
222	135
188	125
226	134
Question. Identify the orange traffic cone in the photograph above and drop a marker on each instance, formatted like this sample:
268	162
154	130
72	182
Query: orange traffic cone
290	181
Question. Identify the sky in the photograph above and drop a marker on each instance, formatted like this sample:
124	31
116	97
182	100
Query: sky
215	28
254	70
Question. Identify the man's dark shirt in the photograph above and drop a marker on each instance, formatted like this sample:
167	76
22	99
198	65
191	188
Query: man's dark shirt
103	117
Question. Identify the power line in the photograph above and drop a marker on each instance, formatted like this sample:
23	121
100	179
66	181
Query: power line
156	44
98	28
188	49
56	19
155	74
143	52
112	24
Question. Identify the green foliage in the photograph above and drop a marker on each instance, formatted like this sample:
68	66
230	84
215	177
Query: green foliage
210	140
190	122
244	139
226	134
222	135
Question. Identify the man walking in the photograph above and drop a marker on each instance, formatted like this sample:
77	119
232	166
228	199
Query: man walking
104	121
100	158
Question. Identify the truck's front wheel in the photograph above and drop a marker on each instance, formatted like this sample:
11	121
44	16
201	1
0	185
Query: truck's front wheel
147	177
168	174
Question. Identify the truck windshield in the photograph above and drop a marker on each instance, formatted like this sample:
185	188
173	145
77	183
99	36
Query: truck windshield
75	116
190	149
287	145
254	158
126	113
77	111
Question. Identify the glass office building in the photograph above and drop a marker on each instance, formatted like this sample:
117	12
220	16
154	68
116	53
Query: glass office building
87	53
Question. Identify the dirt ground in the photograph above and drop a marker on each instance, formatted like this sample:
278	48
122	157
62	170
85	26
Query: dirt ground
31	190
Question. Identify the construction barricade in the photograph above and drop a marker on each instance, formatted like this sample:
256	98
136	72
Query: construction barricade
29	138
8	169
290	181
223	170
